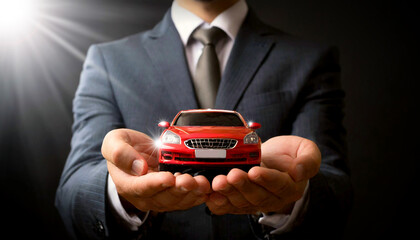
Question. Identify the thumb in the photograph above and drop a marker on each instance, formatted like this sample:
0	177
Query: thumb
117	150
307	161
306	166
139	167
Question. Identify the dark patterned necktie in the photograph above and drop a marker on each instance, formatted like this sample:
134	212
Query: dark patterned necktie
207	75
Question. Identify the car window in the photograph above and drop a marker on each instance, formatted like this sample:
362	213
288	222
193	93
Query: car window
209	119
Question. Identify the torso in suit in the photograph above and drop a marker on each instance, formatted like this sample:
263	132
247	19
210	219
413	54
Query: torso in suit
288	85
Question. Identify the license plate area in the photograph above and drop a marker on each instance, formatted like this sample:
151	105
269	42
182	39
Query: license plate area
210	153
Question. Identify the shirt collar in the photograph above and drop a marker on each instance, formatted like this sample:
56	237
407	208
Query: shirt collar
229	21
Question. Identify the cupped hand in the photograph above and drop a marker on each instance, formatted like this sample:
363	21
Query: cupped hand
287	163
132	162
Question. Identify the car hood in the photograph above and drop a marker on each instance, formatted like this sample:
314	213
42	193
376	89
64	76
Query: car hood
211	132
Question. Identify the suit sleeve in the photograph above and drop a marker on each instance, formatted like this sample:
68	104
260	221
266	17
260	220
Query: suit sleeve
81	194
319	117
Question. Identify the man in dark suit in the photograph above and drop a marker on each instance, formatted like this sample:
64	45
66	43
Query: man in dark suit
288	85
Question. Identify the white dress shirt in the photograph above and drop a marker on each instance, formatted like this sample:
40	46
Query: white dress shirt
186	23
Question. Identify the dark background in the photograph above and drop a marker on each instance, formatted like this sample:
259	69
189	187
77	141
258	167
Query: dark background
379	56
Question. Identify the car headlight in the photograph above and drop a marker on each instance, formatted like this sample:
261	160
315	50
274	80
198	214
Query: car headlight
171	137
251	138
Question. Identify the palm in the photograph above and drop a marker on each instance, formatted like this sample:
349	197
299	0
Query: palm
132	161
287	164
284	153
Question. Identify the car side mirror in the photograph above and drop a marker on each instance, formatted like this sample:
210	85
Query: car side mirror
163	124
254	125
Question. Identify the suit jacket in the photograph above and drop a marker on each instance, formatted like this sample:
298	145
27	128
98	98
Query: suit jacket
289	85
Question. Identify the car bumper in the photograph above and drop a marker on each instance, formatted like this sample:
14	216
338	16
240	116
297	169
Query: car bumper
179	154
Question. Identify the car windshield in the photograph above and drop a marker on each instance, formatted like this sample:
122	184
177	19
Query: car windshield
209	119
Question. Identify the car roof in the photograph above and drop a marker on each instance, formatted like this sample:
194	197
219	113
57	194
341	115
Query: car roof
207	110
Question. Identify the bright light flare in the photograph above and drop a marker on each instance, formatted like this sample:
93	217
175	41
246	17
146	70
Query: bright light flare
16	15
158	143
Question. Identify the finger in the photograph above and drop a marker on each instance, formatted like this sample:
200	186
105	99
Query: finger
253	193
121	179
196	195
230	193
203	185
184	183
139	190
296	155
151	184
171	199
307	163
237	177
147	149
239	180
220	184
219	204
276	182
187	191
116	149
227	192
218	199
145	146
191	200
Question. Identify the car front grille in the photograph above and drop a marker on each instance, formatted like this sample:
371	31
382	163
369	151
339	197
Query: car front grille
211	143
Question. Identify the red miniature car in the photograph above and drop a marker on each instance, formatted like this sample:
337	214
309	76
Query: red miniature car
200	141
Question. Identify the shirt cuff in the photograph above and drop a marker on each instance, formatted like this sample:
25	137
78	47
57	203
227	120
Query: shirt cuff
284	222
132	221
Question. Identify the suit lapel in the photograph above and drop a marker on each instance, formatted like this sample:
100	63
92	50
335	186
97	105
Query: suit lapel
166	52
250	48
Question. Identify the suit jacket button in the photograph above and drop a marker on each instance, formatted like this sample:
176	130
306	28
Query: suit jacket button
100	227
